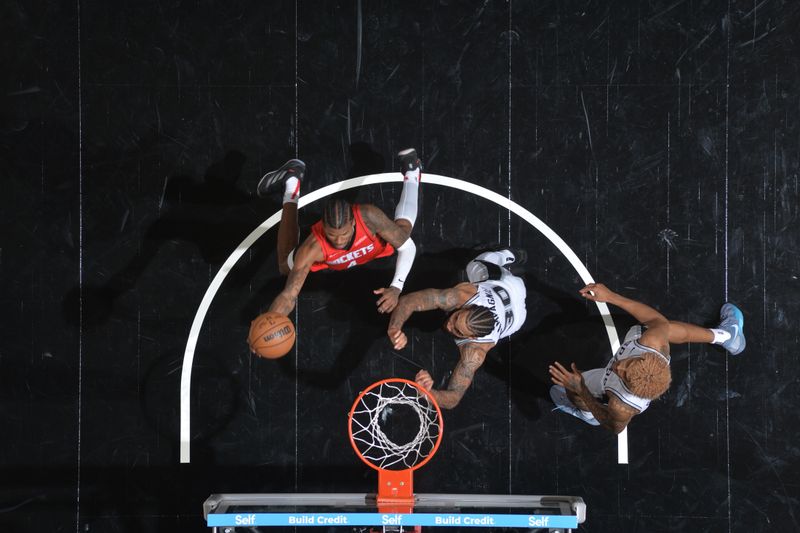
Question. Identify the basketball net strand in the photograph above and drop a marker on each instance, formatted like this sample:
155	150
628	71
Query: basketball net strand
375	446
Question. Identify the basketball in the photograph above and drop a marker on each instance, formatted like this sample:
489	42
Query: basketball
271	335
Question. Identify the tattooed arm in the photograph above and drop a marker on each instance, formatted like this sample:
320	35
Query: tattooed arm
308	253
425	300
377	221
615	416
472	357
397	236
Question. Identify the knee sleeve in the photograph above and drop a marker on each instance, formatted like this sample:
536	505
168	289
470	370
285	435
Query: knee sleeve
479	270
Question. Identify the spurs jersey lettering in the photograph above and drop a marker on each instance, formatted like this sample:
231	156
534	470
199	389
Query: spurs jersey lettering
366	246
505	298
611	382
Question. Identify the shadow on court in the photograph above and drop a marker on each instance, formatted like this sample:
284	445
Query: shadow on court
562	327
212	214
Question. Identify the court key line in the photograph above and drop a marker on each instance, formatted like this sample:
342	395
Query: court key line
373	179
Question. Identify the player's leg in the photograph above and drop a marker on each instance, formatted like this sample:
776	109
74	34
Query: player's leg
729	333
503	257
289	177
683	332
492	264
405	214
288	232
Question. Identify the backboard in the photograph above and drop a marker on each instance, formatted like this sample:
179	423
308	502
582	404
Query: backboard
228	513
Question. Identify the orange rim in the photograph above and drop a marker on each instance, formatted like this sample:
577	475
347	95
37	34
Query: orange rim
431	399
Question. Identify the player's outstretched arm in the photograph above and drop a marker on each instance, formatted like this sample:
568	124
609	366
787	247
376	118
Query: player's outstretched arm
657	334
306	255
377	221
472	357
425	300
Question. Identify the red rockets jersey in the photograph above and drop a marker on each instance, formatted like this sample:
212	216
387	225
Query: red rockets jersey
366	246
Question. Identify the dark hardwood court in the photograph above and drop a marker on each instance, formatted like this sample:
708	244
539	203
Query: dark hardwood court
660	140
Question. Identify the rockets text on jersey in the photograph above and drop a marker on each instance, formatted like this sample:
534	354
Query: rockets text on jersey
351	257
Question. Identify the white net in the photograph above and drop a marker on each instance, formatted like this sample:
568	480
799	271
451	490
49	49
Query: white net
395	426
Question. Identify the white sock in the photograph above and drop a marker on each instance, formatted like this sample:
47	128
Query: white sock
291	191
720	336
412	175
407	206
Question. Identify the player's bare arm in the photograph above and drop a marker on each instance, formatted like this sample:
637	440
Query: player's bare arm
472	356
615	416
425	300
308	253
598	292
656	335
397	236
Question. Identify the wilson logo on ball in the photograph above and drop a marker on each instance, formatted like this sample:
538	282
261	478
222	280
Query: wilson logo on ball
286	330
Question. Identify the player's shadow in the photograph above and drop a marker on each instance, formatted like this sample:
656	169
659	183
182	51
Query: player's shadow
350	311
365	160
342	306
561	326
213	214
439	270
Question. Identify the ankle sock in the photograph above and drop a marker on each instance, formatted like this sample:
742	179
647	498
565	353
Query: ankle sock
291	191
720	336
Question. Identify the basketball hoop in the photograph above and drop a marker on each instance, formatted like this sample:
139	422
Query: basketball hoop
395	427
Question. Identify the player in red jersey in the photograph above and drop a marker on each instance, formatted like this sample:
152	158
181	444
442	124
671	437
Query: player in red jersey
348	234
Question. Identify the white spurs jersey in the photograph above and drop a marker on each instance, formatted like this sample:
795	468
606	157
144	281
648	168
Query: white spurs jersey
505	298
611	382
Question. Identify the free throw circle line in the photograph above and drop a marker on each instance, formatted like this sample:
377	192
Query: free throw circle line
372	179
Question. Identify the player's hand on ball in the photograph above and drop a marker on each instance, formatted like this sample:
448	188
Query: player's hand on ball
398	338
388	300
424	380
596	292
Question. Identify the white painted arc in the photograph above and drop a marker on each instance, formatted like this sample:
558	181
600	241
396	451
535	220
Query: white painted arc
373	179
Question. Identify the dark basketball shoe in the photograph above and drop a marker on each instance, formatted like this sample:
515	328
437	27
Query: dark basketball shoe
520	258
272	181
409	160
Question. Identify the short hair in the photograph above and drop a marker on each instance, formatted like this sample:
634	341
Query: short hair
480	320
336	213
648	376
